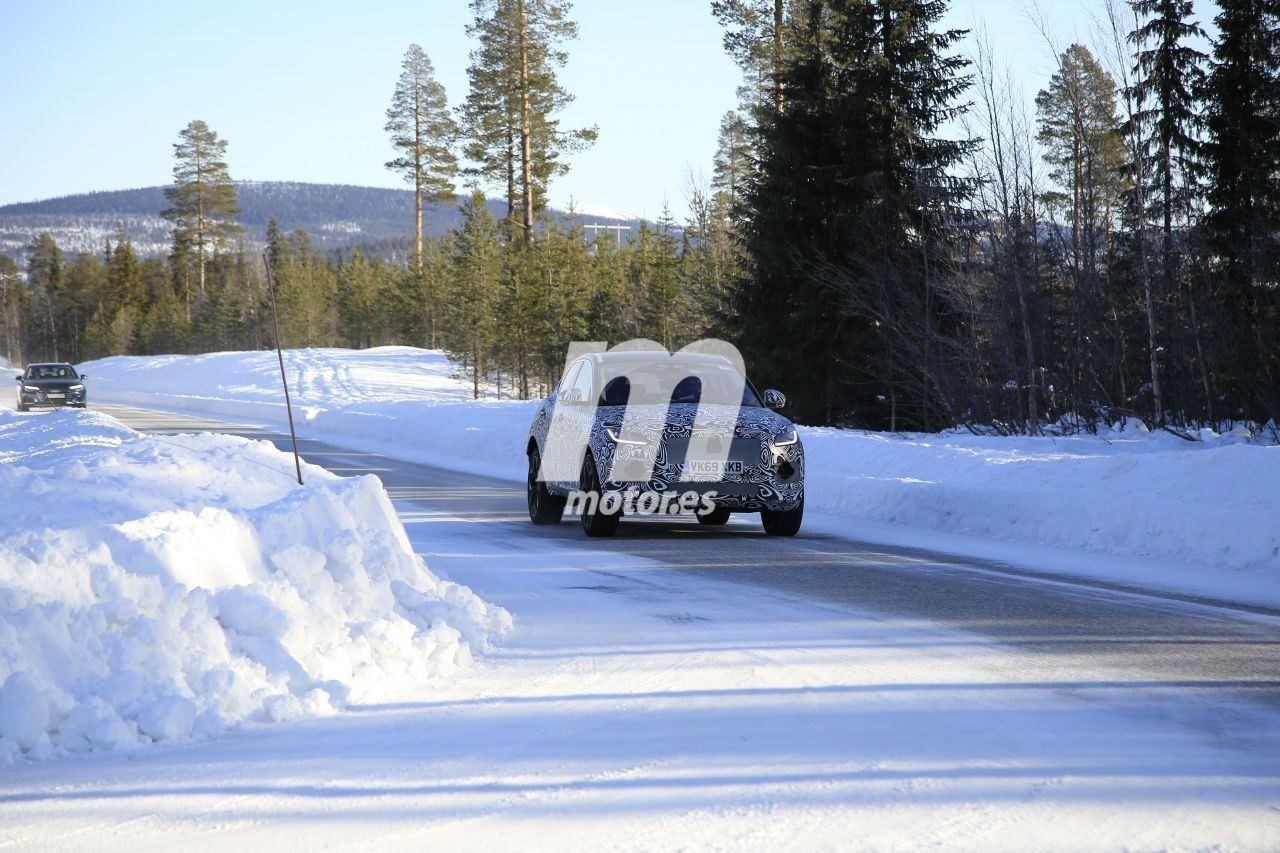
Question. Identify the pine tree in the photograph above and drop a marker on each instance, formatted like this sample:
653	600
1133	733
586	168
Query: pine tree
13	310
755	36
510	118
47	282
423	132
203	199
1078	118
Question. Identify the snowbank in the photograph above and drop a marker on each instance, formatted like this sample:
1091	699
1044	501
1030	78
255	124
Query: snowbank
1211	503
407	402
1207	506
158	589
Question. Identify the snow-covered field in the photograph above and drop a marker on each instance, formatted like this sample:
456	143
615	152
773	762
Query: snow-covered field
168	588
1151	509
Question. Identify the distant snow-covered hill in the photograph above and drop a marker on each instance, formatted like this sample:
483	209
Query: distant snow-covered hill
336	216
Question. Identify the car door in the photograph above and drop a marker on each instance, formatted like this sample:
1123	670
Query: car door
563	431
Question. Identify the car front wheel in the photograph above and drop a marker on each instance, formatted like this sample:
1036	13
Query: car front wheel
783	523
544	507
595	522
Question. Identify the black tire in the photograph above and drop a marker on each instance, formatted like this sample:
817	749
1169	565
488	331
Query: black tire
544	507
596	523
715	518
783	523
22	408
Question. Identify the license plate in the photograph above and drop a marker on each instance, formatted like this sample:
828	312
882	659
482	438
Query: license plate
57	396
709	467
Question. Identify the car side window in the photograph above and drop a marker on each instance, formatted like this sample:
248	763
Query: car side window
569	376
583	382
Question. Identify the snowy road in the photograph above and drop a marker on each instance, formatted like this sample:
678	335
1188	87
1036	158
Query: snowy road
679	686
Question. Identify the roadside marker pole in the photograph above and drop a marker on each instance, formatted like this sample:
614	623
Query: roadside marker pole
275	320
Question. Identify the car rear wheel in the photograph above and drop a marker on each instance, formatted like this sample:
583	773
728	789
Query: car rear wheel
715	518
783	523
544	507
595	522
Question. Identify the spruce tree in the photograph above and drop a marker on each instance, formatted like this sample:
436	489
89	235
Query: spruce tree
1168	79
1242	160
733	162
422	132
849	216
510	116
203	201
477	266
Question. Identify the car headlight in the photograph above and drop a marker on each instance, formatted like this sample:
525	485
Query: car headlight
786	437
75	388
31	388
617	439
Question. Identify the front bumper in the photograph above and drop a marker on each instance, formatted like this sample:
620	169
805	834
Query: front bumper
53	399
770	478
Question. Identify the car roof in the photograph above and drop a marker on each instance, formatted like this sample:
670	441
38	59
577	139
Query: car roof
50	364
641	356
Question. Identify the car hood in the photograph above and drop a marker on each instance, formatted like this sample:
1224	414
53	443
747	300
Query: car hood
51	384
678	418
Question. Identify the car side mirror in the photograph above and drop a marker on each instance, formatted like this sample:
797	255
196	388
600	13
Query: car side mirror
774	399
84	376
18	378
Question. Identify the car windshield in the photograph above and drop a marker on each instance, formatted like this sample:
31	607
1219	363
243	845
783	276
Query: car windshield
647	384
51	371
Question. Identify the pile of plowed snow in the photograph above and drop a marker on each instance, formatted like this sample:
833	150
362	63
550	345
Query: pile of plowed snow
164	588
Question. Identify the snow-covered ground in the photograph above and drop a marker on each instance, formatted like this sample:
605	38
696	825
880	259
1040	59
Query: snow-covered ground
1151	509
631	706
165	588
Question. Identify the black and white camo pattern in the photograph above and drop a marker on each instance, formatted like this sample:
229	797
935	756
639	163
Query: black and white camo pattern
668	430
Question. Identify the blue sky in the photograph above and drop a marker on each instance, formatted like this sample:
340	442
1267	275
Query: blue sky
92	94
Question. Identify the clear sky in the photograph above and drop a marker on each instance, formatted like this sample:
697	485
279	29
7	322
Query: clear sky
92	94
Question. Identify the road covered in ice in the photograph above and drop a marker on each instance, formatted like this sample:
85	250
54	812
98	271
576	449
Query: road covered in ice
684	687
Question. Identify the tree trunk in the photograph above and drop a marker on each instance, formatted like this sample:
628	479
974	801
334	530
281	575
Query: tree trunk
417	182
777	56
200	223
526	142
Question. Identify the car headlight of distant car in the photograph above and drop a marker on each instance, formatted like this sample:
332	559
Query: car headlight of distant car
31	389
75	388
616	438
785	437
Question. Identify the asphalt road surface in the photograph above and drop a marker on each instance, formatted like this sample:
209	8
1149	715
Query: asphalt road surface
1075	630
